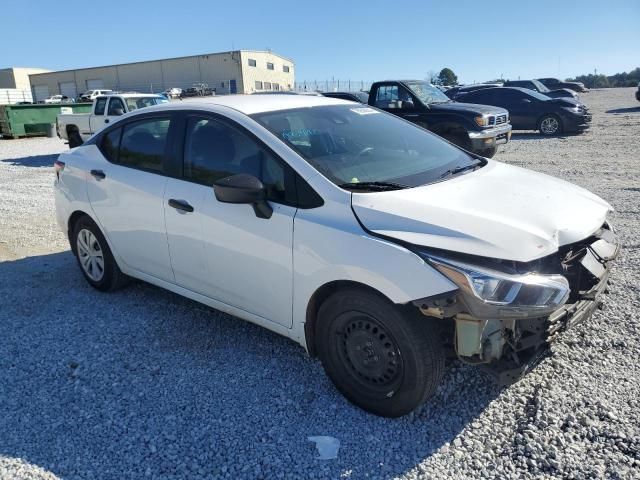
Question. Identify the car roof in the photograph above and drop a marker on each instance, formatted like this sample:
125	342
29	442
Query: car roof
130	95
250	104
526	91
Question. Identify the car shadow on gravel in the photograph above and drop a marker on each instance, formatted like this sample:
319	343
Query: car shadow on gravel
144	382
33	161
624	110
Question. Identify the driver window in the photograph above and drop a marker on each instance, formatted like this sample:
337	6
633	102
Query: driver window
214	150
116	107
387	96
100	104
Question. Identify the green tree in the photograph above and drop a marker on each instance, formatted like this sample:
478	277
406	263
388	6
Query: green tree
447	77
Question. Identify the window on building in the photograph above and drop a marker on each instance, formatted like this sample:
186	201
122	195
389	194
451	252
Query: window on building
276	87
143	144
269	66
285	68
214	150
252	62
258	85
267	85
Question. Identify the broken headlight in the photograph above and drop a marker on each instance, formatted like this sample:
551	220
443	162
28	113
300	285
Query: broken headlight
510	294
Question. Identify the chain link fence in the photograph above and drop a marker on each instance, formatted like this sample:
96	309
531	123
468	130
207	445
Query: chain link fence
333	85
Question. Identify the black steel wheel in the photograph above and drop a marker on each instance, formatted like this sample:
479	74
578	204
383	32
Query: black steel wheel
385	359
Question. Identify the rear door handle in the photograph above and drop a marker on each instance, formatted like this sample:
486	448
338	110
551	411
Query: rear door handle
98	174
106	121
180	205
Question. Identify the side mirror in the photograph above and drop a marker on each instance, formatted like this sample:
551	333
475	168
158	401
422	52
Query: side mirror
243	188
407	104
118	111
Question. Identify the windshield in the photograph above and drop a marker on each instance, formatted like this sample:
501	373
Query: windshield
134	103
427	93
540	86
356	144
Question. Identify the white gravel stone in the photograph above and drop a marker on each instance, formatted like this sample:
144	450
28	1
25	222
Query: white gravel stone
143	383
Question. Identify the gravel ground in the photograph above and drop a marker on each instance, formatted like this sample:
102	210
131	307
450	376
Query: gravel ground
145	384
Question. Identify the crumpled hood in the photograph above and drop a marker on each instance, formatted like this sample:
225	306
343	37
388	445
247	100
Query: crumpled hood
498	211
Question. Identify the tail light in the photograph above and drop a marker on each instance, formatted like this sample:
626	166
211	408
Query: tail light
58	167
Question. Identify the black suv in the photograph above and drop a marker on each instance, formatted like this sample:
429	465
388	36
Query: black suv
539	87
476	128
531	110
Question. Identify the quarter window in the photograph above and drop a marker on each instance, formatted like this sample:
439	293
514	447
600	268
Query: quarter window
110	144
214	150
269	66
252	62
100	104
143	144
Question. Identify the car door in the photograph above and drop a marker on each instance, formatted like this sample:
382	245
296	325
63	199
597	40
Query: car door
115	109
126	192
223	250
96	120
519	105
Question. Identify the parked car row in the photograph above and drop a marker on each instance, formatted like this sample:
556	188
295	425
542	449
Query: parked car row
375	244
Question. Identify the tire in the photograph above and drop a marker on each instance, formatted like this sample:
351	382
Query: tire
461	139
489	152
546	124
384	359
75	140
88	241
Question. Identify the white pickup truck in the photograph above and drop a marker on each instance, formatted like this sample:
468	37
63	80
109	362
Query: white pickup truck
78	127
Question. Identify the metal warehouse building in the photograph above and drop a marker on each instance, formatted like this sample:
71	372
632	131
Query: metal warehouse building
238	71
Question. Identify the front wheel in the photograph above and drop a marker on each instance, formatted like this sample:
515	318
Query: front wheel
550	125
489	152
383	359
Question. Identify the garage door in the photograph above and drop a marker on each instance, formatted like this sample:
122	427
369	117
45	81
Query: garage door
96	84
68	89
40	92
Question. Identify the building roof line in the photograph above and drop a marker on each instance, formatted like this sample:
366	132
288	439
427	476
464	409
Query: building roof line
159	60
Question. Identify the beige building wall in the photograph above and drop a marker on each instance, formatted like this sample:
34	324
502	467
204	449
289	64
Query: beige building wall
18	77
253	77
219	70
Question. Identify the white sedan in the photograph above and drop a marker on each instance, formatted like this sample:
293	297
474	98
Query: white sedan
372	242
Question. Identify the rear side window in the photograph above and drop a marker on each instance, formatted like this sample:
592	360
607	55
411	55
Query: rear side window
100	104
214	150
110	144
116	107
143	144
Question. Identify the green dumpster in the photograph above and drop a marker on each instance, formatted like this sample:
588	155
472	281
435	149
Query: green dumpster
31	120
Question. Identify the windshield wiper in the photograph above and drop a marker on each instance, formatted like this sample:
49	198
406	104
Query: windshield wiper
373	186
461	168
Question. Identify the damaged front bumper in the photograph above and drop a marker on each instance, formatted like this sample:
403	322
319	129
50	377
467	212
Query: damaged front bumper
509	347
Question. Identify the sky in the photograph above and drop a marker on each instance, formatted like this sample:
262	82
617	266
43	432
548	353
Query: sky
358	41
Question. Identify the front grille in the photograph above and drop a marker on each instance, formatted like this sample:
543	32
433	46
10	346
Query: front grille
501	119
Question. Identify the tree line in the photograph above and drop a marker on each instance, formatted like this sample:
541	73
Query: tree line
625	79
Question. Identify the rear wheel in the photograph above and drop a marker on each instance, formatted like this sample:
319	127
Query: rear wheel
385	360
94	256
75	140
550	125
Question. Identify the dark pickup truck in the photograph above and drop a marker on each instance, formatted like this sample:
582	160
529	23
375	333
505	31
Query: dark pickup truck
476	128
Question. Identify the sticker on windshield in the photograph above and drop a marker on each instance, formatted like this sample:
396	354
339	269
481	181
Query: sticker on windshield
363	110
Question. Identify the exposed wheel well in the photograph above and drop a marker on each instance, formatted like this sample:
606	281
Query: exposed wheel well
319	296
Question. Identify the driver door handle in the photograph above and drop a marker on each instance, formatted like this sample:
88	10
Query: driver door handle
106	120
180	205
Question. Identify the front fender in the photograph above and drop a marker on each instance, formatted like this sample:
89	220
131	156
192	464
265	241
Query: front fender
330	245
